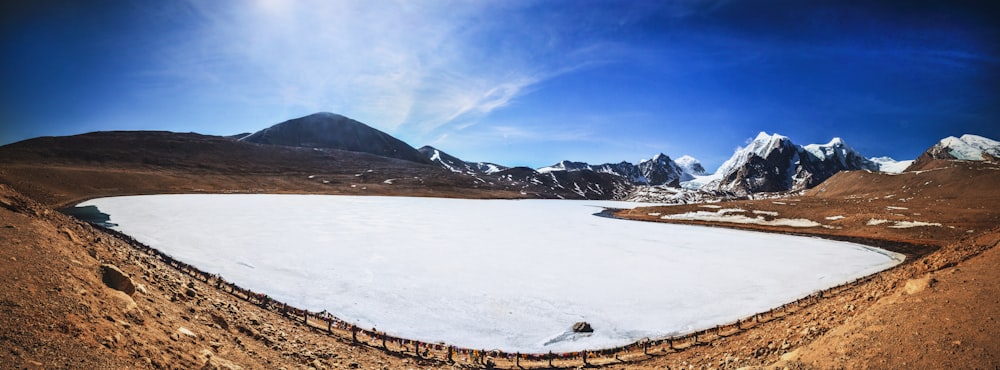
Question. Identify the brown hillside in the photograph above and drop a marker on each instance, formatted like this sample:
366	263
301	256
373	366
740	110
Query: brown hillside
59	171
937	310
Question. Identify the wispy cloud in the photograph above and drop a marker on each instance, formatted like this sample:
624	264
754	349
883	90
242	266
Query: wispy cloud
415	66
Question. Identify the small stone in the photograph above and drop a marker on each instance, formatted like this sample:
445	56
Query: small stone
116	279
582	327
187	332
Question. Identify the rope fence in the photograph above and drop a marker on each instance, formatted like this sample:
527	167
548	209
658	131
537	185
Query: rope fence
636	351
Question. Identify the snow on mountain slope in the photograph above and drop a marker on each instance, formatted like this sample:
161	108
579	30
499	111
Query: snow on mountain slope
889	165
565	166
772	163
761	146
838	151
660	170
968	147
454	164
691	166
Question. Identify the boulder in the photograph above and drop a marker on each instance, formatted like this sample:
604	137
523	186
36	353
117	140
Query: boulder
582	327
116	279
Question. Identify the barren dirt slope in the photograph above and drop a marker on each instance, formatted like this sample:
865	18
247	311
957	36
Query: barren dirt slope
58	312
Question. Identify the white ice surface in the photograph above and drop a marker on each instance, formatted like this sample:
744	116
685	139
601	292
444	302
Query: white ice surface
489	274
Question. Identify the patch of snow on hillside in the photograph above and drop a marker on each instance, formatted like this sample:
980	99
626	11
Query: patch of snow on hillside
723	215
909	224
768	213
889	165
876	221
503	274
834	218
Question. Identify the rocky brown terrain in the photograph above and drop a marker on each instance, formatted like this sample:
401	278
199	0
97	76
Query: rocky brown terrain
65	308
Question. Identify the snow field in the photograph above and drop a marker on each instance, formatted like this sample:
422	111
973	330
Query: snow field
490	274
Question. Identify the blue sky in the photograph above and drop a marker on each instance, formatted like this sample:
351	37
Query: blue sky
513	82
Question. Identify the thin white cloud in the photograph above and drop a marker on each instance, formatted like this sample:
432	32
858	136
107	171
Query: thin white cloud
398	65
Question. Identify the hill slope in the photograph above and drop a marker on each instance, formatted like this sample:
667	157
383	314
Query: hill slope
333	131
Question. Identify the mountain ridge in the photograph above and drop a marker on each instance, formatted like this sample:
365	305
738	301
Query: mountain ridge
334	131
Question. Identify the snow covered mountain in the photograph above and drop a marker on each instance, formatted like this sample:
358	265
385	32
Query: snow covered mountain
660	170
454	164
576	184
690	166
328	130
968	148
772	163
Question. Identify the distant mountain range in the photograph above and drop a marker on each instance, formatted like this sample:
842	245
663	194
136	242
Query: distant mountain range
770	163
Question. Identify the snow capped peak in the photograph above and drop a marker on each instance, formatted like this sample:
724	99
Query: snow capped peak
564	166
773	163
764	143
761	147
839	153
659	158
690	165
836	148
969	147
661	170
686	159
764	136
970	138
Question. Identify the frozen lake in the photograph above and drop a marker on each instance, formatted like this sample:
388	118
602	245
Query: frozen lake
491	274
